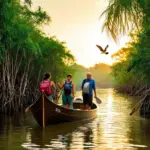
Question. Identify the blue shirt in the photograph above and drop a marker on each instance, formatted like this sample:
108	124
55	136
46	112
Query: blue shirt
92	85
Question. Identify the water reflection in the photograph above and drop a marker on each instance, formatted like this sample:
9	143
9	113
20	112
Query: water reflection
70	135
113	129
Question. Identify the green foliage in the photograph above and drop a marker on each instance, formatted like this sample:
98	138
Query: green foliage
19	32
121	16
26	53
133	67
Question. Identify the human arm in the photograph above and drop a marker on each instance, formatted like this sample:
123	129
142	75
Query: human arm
95	94
53	85
82	85
94	88
61	86
73	90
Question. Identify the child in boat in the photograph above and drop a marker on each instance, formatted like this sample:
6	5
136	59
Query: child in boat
68	91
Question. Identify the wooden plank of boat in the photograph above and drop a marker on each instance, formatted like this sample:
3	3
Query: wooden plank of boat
46	112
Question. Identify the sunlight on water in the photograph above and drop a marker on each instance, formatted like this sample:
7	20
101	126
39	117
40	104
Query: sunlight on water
28	137
113	129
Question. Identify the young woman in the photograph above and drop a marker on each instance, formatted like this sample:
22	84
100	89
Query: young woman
46	86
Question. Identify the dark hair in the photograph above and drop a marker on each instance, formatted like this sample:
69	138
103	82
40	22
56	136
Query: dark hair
46	75
69	75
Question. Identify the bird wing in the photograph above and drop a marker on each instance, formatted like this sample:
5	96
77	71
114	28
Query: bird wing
100	48
106	48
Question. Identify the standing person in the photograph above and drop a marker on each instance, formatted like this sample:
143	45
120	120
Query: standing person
88	86
46	86
68	91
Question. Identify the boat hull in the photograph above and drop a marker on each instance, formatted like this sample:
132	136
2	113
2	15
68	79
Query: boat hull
53	113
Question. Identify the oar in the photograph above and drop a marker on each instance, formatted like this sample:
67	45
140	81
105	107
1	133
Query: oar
43	111
98	100
60	94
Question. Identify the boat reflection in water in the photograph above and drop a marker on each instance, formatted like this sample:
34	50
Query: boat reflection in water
66	135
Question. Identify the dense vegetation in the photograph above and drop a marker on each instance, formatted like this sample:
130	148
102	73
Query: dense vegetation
132	71
26	53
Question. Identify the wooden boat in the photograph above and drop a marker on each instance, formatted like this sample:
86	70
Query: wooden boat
46	112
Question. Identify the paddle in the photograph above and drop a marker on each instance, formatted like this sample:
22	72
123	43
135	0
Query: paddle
59	95
98	100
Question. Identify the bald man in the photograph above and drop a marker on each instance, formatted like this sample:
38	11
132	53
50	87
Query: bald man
88	86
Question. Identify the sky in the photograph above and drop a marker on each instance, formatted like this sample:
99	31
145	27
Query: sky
78	23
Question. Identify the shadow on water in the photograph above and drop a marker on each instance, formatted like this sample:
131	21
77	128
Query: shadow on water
113	129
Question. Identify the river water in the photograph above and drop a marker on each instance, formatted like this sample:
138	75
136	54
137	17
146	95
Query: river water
113	129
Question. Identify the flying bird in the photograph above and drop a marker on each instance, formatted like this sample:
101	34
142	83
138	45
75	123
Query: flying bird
104	51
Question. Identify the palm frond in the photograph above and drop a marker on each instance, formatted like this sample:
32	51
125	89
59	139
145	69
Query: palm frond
121	16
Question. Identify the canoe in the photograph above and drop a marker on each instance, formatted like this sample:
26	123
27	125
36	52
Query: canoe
46	112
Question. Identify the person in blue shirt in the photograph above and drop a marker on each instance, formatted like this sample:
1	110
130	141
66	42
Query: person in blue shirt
88	86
